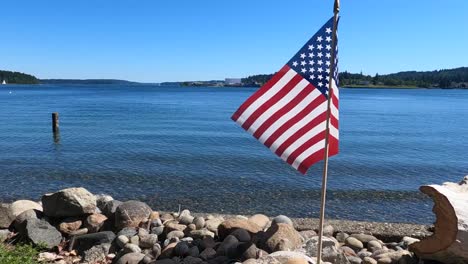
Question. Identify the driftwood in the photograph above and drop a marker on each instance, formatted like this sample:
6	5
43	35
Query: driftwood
449	243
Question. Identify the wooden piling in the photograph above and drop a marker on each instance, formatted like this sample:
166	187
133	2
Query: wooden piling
55	122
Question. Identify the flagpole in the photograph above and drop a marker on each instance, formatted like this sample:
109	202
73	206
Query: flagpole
336	10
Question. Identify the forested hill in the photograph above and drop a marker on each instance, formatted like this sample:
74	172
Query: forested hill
452	78
17	78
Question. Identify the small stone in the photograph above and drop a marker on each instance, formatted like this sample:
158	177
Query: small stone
199	222
208	253
409	240
20	222
131	248
173	225
228	246
354	243
354	260
135	240
364	238
156	250
213	224
348	251
202	233
47	257
241	235
95	222
328	231
207	242
109	208
168	250
369	260
166	217
374	244
181	249
249	251
157	230
175	233
96	254
154	215
364	253
146	260
128	232
131	258
148	241
384	261
186	219
307	234
228	226
282	219
122	240
194	252
102	199
18	207
341	237
70	225
79	232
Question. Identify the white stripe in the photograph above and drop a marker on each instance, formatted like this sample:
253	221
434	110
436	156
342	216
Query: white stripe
278	105
314	148
334	111
292	113
303	139
266	96
293	129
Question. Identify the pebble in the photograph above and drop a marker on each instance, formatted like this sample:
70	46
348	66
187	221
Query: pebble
369	260
131	248
364	238
354	243
282	219
374	244
328	231
122	240
176	233
135	240
341	237
199	222
186	219
354	260
157	230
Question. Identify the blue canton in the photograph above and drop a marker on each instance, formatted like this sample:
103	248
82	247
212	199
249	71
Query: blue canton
313	60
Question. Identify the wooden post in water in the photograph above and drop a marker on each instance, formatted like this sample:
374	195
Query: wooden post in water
55	122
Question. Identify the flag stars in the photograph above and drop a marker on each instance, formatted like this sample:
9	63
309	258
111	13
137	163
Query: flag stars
327	71
312	70
320	77
320	70
328	47
320	84
328	55
319	46
303	63
328	39
303	70
320	54
311	47
303	55
328	30
311	62
295	64
320	62
311	55
312	77
319	38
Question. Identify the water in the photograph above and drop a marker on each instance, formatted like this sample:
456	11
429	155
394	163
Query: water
177	145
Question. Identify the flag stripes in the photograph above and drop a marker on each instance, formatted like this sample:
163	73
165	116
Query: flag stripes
289	116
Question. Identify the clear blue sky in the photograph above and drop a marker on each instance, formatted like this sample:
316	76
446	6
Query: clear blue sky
157	40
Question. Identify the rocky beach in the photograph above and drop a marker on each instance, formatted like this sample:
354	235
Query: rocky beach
76	226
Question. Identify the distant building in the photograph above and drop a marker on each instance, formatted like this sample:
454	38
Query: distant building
233	81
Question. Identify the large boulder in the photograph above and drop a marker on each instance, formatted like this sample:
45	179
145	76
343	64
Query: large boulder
69	202
131	214
228	226
40	232
281	237
329	248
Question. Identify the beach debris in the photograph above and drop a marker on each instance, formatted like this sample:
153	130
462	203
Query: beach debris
449	243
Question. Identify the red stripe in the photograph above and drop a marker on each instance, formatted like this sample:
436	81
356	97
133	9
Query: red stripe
273	100
309	143
319	155
284	110
335	100
334	121
267	86
299	133
319	100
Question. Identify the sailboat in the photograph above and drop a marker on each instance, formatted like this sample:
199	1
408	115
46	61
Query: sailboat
4	82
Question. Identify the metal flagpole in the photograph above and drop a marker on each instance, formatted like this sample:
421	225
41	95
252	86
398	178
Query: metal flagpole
327	132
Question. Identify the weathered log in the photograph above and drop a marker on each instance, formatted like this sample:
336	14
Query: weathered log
449	243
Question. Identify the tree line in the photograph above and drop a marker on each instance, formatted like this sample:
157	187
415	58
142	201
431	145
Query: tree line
450	78
17	78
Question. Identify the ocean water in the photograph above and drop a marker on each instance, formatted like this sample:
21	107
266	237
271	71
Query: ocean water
172	146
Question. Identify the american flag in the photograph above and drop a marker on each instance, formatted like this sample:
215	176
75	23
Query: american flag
289	113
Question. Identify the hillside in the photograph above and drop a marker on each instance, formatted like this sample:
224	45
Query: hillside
85	81
11	77
451	78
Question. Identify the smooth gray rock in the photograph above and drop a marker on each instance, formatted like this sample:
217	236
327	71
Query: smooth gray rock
228	246
242	235
181	249
328	230
157	230
20	222
354	243
329	248
341	237
369	260
102	199
121	241
40	232
131	214
85	242
208	253
128	232
131	248
202	233
199	222
148	241
282	219
364	238
374	244
175	233
354	260
69	202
